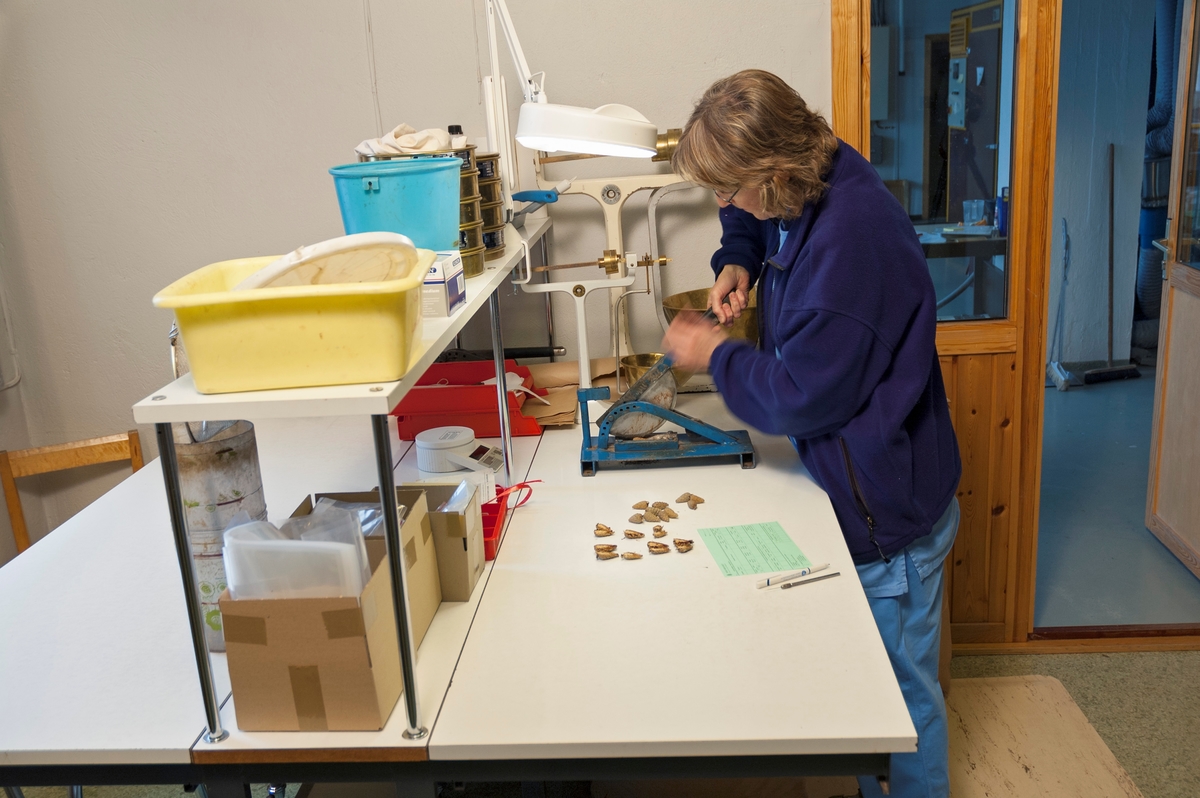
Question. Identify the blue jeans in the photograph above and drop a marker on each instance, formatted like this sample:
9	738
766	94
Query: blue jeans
910	625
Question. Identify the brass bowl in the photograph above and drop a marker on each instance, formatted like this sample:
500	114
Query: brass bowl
634	366
744	327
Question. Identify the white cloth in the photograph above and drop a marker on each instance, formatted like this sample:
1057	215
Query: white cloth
405	139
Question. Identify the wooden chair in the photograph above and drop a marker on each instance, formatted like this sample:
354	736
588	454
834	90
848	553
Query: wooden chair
45	459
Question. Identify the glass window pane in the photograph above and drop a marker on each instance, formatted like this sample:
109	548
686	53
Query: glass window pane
941	133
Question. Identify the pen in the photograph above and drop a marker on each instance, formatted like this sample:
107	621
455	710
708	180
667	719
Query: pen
814	579
774	580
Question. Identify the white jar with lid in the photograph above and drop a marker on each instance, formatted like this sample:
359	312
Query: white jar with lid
435	445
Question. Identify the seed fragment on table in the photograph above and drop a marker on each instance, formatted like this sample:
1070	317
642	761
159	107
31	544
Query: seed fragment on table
651	514
606	547
668	513
657	548
636	518
659	532
631	555
660	505
682	545
607	555
696	499
642	505
603	531
693	504
687	497
634	534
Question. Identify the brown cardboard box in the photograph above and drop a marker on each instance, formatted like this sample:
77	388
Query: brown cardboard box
459	540
331	663
420	553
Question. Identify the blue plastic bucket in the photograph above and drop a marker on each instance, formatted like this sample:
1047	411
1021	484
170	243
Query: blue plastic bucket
417	197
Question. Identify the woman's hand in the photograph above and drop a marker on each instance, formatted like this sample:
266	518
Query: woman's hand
691	339
730	294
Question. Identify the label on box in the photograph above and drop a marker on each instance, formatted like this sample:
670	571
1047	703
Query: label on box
445	287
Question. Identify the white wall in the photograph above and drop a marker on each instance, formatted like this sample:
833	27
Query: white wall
1103	90
142	140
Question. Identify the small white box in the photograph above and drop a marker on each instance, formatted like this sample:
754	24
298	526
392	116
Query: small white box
445	287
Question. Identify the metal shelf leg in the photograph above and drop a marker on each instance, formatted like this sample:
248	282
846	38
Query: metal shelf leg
183	549
391	524
549	310
501	386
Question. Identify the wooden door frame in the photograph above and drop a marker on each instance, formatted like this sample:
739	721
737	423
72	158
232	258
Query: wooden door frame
1031	193
851	24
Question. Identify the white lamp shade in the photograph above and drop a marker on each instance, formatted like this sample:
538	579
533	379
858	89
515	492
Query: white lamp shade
608	130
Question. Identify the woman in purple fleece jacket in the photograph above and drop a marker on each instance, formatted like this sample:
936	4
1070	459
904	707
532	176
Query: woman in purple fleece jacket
846	365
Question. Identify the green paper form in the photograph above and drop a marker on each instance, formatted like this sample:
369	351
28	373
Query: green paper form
753	549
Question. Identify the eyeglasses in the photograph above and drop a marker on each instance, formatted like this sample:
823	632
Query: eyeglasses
727	200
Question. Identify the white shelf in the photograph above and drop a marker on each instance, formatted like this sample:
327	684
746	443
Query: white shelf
179	401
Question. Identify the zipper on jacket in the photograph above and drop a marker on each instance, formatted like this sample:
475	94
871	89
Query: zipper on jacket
860	500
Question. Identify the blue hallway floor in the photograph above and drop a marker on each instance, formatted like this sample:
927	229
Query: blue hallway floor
1098	565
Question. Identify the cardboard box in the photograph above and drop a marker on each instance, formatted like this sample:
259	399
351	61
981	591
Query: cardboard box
445	287
420	553
332	663
458	538
485	481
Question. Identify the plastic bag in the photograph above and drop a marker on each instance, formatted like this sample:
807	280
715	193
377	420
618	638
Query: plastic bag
332	525
258	568
459	500
369	514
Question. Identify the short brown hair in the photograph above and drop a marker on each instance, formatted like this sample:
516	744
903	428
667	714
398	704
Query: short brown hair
752	131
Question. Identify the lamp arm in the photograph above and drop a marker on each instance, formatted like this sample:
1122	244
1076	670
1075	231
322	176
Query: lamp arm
531	82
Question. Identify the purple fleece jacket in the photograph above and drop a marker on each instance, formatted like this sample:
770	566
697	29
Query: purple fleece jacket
847	365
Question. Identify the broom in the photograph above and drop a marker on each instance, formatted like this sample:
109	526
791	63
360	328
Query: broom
1055	369
1110	372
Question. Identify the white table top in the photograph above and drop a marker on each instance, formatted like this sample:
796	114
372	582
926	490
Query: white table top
570	656
96	662
179	401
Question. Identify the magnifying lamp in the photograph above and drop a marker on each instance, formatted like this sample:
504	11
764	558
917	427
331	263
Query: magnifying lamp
608	130
612	129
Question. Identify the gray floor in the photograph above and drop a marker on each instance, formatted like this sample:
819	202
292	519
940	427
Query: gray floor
1098	565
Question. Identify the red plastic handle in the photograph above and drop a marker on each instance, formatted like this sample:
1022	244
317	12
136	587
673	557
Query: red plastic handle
526	486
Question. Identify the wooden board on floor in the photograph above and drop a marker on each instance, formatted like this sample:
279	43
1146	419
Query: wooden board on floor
1024	736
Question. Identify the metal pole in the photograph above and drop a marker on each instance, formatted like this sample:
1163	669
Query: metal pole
1112	185
183	550
546	278
391	525
501	386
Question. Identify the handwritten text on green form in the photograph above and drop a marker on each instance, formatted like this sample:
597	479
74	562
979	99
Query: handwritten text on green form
753	549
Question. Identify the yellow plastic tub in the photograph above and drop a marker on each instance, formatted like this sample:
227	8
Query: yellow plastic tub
294	336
